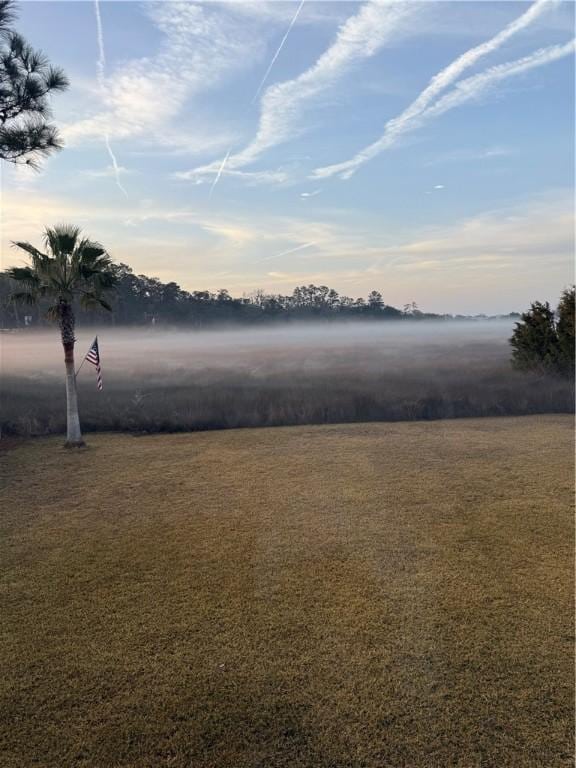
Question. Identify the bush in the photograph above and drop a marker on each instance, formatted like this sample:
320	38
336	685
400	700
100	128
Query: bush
543	340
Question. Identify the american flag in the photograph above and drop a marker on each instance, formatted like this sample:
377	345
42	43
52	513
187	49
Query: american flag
93	357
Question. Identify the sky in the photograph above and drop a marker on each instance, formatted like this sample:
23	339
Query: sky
422	149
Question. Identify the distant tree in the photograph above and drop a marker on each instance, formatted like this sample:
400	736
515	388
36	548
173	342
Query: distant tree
313	299
544	341
332	300
391	312
412	310
223	295
565	331
375	301
74	269
26	81
127	296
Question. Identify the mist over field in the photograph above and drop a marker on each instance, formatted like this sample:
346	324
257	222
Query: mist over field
161	379
319	346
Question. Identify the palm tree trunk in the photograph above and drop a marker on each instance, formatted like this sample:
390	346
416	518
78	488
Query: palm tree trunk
67	323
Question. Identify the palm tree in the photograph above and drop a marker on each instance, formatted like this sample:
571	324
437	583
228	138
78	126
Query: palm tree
74	270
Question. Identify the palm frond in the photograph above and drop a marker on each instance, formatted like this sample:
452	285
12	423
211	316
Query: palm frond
28	247
61	239
24	275
93	300
107	280
53	312
88	251
105	305
40	261
25	297
74	267
98	274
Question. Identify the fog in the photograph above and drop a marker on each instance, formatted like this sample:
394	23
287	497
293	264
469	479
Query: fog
293	349
172	380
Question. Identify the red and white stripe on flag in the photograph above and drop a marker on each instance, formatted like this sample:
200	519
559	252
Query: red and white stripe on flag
93	357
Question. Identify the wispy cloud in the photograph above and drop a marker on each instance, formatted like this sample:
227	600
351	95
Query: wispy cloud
272	11
110	172
409	119
201	44
529	231
359	38
466	90
459	265
250	178
469	155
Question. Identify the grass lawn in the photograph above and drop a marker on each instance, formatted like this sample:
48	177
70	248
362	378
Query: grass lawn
359	596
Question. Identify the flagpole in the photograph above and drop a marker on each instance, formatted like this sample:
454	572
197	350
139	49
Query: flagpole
80	368
84	359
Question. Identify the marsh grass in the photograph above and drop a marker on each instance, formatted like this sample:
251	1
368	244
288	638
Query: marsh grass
219	399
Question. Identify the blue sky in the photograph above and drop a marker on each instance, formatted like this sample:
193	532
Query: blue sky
421	149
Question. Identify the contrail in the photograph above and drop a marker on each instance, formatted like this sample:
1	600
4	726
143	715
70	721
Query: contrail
405	121
100	67
282	105
474	86
263	81
451	73
285	253
115	165
463	91
220	171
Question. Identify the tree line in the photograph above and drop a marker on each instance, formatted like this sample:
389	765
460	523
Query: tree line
143	300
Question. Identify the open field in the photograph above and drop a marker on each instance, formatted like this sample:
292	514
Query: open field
158	380
351	596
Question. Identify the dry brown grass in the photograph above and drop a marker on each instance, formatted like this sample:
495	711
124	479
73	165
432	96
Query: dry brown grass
376	595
